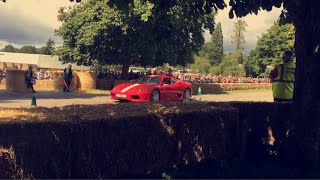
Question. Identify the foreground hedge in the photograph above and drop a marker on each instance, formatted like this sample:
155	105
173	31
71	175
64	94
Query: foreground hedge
112	141
263	125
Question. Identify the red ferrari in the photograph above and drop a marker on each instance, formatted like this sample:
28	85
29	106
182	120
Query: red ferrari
152	89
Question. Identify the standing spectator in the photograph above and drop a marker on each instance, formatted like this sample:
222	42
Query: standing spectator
170	71
68	78
283	78
30	78
1	75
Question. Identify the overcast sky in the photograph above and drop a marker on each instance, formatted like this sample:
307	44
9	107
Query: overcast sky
32	22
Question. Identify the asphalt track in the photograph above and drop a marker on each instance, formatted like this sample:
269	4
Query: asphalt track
47	98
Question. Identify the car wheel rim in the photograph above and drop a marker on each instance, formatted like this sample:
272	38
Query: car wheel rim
155	96
186	94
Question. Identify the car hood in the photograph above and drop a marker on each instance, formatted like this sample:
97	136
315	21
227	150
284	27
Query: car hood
129	87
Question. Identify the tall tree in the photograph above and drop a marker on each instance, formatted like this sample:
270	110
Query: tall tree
269	49
9	48
217	46
145	34
238	39
48	49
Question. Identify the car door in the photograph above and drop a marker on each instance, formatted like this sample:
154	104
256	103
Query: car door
175	89
166	89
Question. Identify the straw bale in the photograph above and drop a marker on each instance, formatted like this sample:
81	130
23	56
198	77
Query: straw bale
58	84
58	81
218	88
25	67
87	80
15	81
74	82
3	82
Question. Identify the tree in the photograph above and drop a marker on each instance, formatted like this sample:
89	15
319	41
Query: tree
48	49
305	17
9	48
28	49
201	65
229	66
145	34
269	49
217	46
238	38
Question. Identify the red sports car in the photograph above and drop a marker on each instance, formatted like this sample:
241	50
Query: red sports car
151	89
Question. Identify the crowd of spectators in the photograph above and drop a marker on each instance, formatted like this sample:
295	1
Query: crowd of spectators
201	78
44	75
40	75
189	77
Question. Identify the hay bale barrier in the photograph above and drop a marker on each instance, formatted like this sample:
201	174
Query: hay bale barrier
3	82
108	141
15	81
74	82
47	84
218	88
58	84
87	80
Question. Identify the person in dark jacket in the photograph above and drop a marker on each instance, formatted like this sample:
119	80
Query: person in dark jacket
67	78
30	78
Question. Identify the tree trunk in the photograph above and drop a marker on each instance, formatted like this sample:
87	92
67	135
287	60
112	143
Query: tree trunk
125	68
307	85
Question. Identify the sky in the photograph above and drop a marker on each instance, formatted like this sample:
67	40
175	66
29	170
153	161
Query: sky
32	22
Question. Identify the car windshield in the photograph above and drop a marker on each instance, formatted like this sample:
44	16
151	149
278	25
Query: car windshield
148	80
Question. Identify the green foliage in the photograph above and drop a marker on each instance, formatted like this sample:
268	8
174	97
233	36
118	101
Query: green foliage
269	49
28	49
215	48
231	66
201	65
143	34
48	49
216	70
9	48
238	39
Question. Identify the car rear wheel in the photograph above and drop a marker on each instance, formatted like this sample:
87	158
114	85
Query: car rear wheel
155	96
186	94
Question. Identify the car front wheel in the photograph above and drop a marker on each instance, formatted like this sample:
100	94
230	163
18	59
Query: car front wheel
186	94
155	96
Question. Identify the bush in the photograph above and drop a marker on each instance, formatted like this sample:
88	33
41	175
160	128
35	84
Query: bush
115	141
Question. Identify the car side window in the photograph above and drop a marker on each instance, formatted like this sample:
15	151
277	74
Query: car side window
172	81
166	81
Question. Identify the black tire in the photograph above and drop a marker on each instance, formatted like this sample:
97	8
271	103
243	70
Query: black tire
186	94
155	96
